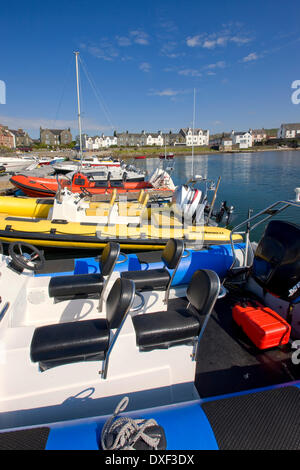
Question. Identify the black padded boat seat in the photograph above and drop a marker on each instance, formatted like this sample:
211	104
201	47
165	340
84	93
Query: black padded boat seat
67	342
161	330
84	340
76	286
180	324
84	286
152	279
159	279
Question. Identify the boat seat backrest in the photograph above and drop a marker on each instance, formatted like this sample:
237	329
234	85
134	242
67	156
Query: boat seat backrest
109	257
179	324
172	253
86	285
159	279
81	286
203	290
77	341
119	302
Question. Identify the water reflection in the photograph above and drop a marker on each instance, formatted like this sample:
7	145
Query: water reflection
252	180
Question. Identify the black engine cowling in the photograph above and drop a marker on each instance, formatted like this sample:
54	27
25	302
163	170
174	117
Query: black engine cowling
276	265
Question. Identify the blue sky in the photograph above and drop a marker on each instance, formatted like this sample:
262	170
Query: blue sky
145	59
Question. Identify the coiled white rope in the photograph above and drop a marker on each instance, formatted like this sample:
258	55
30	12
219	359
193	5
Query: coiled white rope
125	432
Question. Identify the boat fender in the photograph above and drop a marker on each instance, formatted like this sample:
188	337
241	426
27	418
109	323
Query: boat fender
131	434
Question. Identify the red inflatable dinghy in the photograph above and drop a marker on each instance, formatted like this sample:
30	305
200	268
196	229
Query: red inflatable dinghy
47	187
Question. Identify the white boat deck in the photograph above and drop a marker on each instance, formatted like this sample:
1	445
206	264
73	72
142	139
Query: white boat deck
29	396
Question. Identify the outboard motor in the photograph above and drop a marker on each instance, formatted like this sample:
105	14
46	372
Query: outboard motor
219	215
186	201
276	265
224	210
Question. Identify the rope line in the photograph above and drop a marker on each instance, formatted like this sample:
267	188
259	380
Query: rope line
123	433
97	93
63	92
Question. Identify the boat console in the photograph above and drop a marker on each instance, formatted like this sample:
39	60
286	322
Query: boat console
276	265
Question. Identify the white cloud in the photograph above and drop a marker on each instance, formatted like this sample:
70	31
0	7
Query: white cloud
167	25
145	67
240	40
250	57
222	38
140	37
194	41
190	73
126	58
211	44
105	50
169	50
166	92
123	41
220	64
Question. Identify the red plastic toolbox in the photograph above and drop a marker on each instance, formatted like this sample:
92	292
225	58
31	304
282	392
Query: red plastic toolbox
262	325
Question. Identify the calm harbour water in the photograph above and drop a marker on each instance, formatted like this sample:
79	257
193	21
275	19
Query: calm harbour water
248	180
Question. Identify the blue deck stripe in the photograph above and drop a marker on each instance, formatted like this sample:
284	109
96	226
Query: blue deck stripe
186	427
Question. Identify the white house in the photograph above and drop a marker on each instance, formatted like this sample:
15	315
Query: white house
155	139
91	143
98	142
288	131
108	141
243	139
195	136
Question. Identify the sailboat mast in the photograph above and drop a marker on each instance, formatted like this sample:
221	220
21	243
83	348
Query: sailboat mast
193	132
78	103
